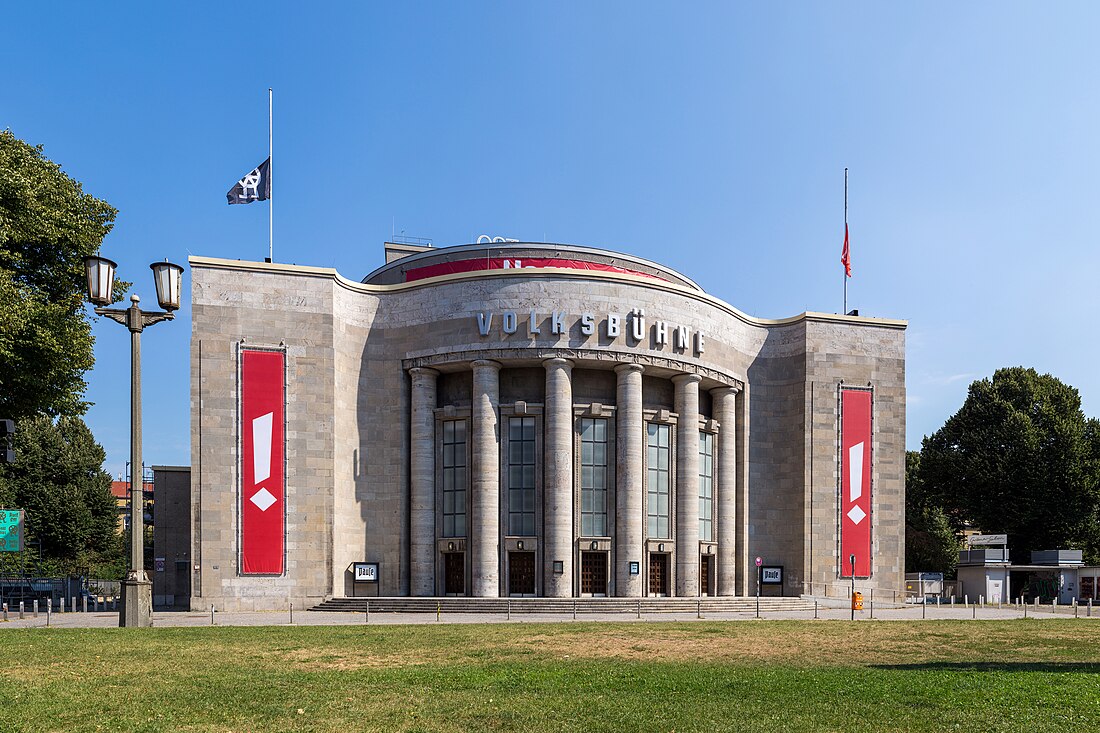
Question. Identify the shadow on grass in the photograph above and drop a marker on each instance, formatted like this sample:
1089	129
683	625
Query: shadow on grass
1081	667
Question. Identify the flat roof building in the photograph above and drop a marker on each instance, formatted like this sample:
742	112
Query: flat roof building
532	419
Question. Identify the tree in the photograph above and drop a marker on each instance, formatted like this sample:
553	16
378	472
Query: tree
59	482
931	543
1019	458
47	226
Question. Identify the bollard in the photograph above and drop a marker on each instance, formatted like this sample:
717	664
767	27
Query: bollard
49	609
1088	612
1075	608
966	601
975	614
5	607
924	608
639	608
1025	609
871	600
85	604
291	613
698	608
211	614
509	609
366	612
22	614
952	599
72	604
34	606
438	610
574	609
815	609
62	604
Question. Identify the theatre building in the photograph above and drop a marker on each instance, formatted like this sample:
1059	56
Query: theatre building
525	419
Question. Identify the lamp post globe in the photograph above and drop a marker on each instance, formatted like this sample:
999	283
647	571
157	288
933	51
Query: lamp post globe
137	593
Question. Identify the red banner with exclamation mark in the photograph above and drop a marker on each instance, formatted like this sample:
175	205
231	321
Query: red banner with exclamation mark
855	482
263	506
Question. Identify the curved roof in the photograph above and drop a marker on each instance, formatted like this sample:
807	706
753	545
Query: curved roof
435	261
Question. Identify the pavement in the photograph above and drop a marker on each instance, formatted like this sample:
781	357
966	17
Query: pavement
108	619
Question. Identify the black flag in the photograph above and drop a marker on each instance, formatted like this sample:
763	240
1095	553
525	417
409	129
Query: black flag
256	186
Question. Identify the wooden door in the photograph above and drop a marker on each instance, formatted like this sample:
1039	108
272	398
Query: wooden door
594	573
658	575
521	573
454	573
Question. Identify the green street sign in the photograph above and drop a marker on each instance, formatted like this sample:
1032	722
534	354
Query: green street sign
11	530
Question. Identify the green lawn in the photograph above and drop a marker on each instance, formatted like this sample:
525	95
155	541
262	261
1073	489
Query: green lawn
705	676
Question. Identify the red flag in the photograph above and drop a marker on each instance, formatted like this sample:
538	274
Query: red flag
845	256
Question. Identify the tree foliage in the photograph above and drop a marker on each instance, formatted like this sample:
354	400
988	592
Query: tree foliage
1019	458
931	543
47	226
59	482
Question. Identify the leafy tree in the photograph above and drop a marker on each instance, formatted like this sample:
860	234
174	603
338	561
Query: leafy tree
47	226
1019	458
931	543
59	482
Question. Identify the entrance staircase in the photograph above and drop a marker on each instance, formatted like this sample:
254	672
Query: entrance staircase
565	606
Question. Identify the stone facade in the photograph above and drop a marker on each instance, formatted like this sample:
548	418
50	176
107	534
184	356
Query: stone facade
558	403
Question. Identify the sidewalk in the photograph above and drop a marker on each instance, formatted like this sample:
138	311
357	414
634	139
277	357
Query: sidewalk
109	619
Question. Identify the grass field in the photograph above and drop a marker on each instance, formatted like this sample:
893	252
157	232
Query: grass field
702	676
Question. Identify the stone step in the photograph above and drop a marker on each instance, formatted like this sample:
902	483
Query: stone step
564	605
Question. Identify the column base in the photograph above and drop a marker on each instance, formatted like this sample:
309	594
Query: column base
137	601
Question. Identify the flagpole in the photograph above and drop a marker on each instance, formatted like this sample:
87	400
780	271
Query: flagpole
271	185
845	274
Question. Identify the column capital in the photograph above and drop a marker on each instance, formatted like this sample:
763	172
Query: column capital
725	389
627	368
485	364
423	372
558	362
688	378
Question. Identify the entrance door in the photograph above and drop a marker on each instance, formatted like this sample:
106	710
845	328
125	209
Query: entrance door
454	573
994	589
658	575
594	573
705	566
521	573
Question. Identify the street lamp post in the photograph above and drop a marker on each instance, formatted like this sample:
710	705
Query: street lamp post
137	592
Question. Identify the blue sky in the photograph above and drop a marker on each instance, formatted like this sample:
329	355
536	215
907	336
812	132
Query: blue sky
710	137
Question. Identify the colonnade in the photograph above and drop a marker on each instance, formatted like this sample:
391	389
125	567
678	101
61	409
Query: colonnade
557	540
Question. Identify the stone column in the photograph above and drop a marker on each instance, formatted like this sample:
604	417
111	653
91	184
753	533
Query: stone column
746	575
557	515
422	482
724	400
484	529
687	484
629	481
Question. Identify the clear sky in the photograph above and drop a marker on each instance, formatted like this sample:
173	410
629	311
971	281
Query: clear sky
710	137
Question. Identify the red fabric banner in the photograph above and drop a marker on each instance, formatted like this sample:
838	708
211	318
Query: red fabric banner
501	263
846	255
263	505
855	482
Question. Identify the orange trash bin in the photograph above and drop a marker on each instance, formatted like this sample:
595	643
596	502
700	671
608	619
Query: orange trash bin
857	601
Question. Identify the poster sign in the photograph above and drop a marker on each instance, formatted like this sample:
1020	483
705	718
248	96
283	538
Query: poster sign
263	506
855	482
11	530
771	575
365	572
635	567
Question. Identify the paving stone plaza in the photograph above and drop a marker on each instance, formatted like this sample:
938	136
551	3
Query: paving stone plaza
532	420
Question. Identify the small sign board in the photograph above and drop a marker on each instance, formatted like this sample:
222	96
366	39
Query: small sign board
158	564
987	539
11	530
635	567
771	575
365	572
